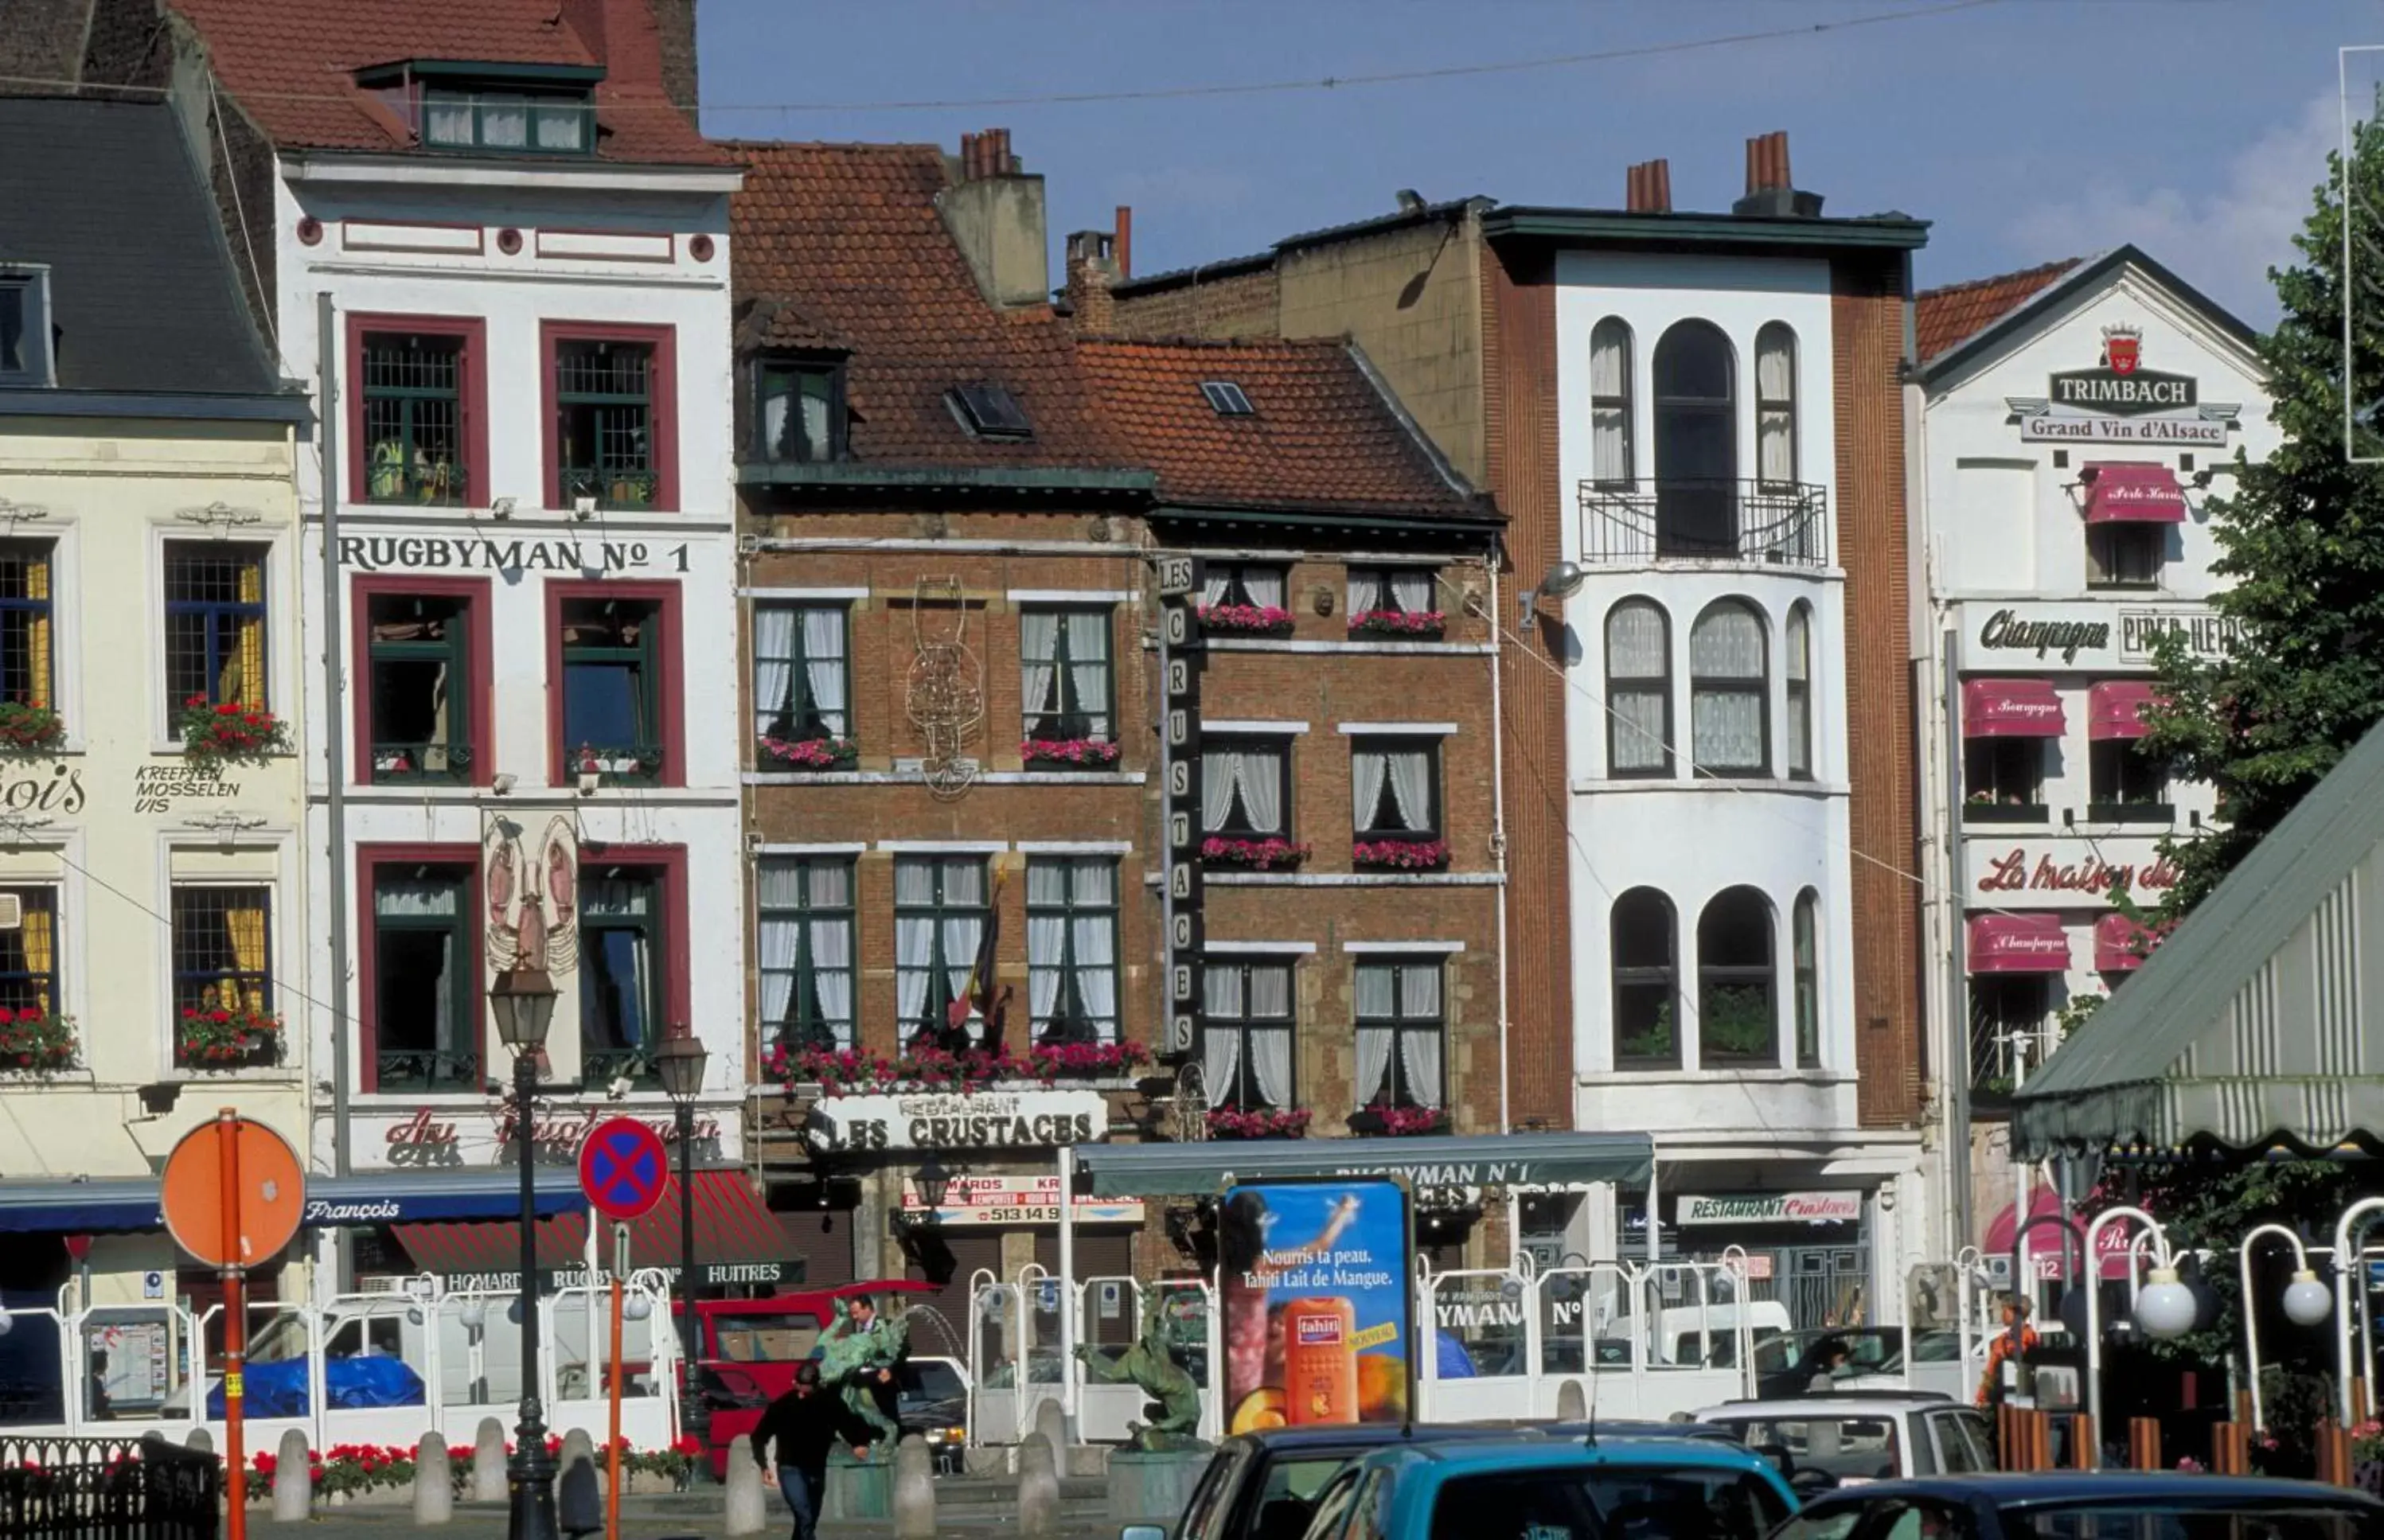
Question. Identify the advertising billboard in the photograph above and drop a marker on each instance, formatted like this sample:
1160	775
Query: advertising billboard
1318	1303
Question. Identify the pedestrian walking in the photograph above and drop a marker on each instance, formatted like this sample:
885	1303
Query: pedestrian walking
805	1423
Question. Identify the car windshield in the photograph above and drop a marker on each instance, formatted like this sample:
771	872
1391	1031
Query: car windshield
928	1380
1287	1498
774	1336
2248	1521
1680	1503
1868	1352
1860	1448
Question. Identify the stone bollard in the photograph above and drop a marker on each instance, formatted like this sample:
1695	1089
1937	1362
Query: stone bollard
914	1490
1038	1489
579	1496
744	1497
489	1462
1051	1421
1571	1405
200	1441
434	1481
294	1487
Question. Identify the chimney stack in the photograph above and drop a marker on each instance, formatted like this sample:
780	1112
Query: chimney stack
1124	242
1092	268
995	214
1770	190
1649	188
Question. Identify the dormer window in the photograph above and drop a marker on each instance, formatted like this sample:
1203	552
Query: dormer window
25	328
510	123
799	410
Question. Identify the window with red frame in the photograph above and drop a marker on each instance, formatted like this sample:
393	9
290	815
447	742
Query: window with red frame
420	687
606	422
426	1016
613	695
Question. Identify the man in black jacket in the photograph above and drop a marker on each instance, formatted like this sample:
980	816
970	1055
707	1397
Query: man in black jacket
805	1423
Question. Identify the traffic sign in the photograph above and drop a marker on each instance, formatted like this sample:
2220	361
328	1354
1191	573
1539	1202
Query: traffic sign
623	1167
267	1186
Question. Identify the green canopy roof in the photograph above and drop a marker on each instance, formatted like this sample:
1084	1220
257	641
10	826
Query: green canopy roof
1514	1160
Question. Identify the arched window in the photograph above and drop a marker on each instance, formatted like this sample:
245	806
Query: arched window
1638	689
1609	403
1728	693
1775	406
1804	945
1738	1021
1646	981
1796	662
1696	442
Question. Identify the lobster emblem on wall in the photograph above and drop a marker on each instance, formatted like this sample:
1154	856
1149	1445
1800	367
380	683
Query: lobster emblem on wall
946	694
533	896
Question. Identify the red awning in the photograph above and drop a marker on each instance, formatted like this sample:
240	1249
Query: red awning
2121	945
2127	492
2115	708
737	1240
2048	1253
2019	944
2011	708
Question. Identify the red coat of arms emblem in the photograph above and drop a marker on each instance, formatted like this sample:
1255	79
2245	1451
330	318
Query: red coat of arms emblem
2120	348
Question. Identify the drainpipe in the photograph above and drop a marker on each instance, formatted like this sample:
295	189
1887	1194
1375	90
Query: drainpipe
1499	840
335	728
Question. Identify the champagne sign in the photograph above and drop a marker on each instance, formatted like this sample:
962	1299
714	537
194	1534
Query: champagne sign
1179	665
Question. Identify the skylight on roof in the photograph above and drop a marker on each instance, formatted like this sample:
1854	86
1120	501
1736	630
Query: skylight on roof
990	412
1227	398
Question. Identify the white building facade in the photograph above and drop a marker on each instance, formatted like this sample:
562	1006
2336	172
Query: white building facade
2071	443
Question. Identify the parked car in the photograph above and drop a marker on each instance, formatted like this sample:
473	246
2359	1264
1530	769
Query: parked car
1861	1435
1877	1357
749	1349
1544	1488
1262	1485
2077	1504
931	1399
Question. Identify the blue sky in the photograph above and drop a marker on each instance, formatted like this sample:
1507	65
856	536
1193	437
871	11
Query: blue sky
2025	129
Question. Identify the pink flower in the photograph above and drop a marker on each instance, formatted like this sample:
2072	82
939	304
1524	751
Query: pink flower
1255	618
1402	854
1399	621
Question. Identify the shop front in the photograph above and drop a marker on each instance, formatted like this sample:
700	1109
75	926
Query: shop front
1809	1251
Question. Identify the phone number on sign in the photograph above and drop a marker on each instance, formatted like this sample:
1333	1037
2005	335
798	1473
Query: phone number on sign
1031	1214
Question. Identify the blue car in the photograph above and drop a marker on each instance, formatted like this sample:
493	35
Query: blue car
1546	1489
2077	1504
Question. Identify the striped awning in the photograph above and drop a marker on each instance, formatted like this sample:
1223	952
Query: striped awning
736	1241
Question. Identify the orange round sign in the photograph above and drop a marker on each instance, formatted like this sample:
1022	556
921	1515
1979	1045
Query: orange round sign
233	1191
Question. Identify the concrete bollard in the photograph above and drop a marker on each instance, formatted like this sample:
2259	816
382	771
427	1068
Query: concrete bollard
745	1510
1571	1405
579	1496
1051	1421
293	1484
1038	1489
914	1490
200	1441
434	1481
489	1462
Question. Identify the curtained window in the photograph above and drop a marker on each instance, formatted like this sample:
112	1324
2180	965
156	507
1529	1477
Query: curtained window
419	685
222	954
612	688
1395	787
29	955
942	905
1805	946
1071	975
1646	960
799	410
1775	404
214	625
1738	1019
1797	664
800	654
1401	1033
1638	689
515	122
1064	666
1245	1034
1609	403
426	1015
413	396
1394	589
805	935
1258	583
26	657
1246	786
622	948
1728	690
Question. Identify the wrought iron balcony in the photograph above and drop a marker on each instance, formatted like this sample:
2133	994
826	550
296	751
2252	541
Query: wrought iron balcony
427	1070
1672	518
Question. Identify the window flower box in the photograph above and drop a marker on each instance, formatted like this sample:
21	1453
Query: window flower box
1244	620
1399	1121
1414	624
1399	855
27	729
231	733
851	1071
1077	753
1258	1123
810	754
35	1042
226	1038
1265	854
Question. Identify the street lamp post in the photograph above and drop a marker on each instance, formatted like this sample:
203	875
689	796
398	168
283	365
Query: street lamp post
2346	1257
2164	1309
523	1000
2306	1302
680	1061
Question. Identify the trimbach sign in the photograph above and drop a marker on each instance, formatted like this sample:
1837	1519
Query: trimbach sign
2121	387
2121	402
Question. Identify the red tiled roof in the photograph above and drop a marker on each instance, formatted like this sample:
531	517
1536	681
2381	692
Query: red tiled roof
1945	318
292	68
1318	433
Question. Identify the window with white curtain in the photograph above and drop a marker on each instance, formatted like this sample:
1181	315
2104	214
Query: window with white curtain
1245	1034
1638	689
1804	949
1775	404
798	672
1402	1031
1246	786
1395	787
1064	661
1728	690
1738	1018
1262	584
804	930
1609	403
1071	977
940	907
1797	664
1398	590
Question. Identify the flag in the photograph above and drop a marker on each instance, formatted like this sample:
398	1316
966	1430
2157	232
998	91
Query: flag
984	972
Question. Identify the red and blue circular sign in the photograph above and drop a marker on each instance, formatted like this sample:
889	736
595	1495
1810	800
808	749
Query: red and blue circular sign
622	1168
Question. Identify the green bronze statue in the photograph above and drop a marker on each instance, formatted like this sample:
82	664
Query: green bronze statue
857	1353
1156	1364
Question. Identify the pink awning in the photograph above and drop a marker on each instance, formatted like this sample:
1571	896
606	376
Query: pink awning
2125	492
2011	708
2120	944
2019	944
2048	1254
2115	708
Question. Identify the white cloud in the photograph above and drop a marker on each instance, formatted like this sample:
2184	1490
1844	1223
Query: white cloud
2222	238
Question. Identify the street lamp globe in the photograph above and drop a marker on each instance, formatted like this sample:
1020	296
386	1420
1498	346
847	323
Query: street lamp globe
2307	1301
2165	1308
679	1064
523	999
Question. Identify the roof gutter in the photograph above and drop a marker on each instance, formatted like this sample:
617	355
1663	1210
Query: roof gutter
180	407
1703	230
363	168
858	476
1483	526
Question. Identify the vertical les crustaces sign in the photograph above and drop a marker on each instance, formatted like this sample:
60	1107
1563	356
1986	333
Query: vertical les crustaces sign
1179	667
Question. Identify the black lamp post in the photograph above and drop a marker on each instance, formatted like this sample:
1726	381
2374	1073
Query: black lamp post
934	1185
523	999
679	1063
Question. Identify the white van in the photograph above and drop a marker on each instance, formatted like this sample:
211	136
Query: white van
1703	1336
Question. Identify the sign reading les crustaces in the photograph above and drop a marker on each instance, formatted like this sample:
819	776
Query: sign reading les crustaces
1180	650
1317	1316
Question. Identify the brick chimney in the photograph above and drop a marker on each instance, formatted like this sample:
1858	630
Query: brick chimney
993	212
1092	268
646	47
1770	190
1649	188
